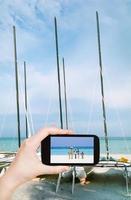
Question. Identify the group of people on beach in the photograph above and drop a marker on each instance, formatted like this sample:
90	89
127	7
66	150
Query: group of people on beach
74	152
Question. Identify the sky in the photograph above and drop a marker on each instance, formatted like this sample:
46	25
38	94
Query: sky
34	21
72	142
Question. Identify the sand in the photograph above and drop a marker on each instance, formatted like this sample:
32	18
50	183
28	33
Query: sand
105	184
65	159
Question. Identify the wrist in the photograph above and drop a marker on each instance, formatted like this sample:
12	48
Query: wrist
8	184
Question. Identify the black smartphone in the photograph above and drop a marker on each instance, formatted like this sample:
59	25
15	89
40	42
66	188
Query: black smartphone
70	150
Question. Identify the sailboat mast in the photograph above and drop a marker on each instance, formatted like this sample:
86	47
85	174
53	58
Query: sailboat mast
58	73
65	93
17	87
102	87
25	84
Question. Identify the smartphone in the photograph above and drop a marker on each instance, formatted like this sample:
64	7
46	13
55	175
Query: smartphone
70	150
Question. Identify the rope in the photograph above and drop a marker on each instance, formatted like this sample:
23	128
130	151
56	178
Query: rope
91	108
4	116
70	116
49	107
3	120
26	113
118	117
30	115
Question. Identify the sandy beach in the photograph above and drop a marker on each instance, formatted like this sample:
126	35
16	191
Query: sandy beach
105	184
65	159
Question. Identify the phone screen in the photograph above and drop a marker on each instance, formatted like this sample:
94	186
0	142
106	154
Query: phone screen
71	150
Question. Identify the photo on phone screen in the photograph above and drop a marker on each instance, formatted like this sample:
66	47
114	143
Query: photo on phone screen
72	150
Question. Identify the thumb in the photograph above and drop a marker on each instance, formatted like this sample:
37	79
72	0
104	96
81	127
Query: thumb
45	169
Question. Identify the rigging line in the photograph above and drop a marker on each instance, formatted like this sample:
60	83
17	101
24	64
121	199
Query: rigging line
30	115
3	120
65	94
91	108
26	100
49	107
118	117
26	113
4	116
70	116
72	126
54	106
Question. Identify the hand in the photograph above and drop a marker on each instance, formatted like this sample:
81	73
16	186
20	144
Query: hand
27	165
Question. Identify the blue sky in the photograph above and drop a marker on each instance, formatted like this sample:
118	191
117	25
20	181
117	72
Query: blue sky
34	21
72	142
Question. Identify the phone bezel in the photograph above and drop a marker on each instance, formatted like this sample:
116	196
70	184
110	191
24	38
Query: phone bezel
45	150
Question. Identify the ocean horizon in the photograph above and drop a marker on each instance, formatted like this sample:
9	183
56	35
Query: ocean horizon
117	145
65	150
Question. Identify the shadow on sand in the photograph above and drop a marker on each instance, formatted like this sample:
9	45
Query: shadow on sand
102	186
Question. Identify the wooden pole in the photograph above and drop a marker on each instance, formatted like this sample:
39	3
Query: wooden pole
17	87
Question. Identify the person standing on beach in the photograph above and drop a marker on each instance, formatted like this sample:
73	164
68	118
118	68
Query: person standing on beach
78	153
75	154
82	155
69	153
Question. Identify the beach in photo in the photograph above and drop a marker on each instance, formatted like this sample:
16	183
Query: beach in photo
65	159
72	150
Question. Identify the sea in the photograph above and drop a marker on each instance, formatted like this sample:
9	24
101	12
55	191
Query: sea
64	150
117	145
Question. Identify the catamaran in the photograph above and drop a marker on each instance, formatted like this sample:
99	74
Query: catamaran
107	161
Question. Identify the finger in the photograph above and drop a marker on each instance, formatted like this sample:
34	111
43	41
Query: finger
55	131
45	169
35	140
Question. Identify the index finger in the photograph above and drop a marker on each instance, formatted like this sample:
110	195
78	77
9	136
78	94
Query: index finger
36	139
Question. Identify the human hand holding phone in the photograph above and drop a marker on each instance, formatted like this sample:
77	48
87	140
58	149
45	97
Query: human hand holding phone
27	164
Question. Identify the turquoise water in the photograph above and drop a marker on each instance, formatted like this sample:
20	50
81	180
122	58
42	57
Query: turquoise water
64	151
9	144
116	145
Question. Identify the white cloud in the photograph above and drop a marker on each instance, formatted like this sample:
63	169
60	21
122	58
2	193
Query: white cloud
82	85
82	82
118	96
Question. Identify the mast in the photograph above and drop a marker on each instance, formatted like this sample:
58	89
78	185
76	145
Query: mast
17	87
25	84
65	93
58	73
102	87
